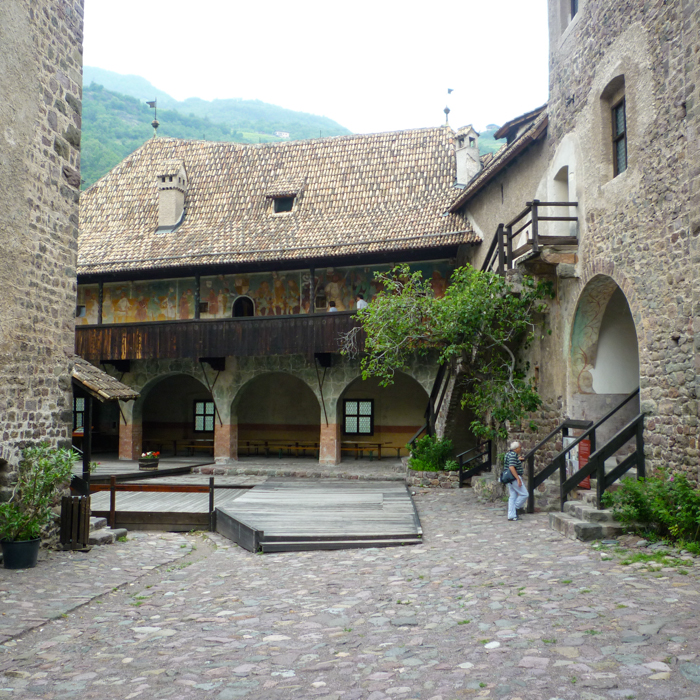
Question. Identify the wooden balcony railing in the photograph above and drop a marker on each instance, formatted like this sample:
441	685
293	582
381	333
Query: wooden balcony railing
259	335
525	233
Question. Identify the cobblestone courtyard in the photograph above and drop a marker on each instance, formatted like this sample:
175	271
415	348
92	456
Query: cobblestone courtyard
485	608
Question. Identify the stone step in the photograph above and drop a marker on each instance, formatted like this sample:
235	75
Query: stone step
588	512
576	529
106	535
97	523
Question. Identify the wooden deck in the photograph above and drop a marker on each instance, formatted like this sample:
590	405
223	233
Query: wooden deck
108	466
276	516
294	515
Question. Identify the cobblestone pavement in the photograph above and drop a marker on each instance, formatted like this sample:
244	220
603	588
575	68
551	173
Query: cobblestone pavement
484	608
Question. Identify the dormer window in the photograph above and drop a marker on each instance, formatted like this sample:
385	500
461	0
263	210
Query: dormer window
283	204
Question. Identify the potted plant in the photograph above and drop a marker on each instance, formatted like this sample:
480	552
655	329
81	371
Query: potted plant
42	472
149	461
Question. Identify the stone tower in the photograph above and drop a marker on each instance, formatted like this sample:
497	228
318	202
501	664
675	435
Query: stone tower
40	108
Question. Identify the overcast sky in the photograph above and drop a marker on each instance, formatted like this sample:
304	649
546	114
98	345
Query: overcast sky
374	65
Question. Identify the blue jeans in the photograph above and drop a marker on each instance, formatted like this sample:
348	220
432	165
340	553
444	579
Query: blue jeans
517	498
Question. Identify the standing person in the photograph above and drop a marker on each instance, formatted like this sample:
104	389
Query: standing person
361	303
518	492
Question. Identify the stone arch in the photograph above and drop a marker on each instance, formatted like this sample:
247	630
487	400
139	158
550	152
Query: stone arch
398	410
603	349
167	411
276	406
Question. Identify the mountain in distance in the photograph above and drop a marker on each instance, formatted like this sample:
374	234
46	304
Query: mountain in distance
117	120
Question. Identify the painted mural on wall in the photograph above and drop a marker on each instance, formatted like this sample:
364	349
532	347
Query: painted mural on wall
153	300
87	304
271	293
586	330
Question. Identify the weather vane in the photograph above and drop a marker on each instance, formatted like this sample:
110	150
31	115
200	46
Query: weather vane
155	124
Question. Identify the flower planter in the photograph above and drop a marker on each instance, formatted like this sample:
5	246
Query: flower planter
148	465
20	554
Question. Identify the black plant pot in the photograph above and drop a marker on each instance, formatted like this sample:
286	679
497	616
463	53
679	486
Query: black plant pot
21	554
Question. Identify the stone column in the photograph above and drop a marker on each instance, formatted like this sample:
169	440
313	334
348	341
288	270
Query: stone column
226	441
329	452
130	439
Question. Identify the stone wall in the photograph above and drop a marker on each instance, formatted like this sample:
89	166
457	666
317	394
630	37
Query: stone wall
40	108
641	227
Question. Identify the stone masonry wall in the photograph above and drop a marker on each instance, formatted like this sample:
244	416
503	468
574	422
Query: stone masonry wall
641	227
40	108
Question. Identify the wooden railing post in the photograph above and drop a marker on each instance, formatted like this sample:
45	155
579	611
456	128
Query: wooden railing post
531	484
212	523
113	501
501	251
509	246
535	226
641	460
600	482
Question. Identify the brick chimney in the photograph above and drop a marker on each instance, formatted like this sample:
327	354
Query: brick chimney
467	154
172	188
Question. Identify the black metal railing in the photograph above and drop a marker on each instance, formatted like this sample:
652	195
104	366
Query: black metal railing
477	463
501	255
559	462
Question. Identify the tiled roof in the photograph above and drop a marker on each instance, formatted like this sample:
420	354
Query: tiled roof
169	168
354	195
102	385
499	160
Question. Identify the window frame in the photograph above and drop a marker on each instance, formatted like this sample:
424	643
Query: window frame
77	413
204	415
620	136
277	203
346	415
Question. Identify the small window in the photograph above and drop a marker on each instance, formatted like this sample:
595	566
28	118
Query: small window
574	8
283	204
204	416
80	311
619	125
243	307
358	417
472	142
78	414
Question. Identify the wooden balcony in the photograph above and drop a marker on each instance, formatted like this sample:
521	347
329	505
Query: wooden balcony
304	334
529	233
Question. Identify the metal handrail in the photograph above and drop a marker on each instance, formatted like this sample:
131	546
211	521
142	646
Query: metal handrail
486	451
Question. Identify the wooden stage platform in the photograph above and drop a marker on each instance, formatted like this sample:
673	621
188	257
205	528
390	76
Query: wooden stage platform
278	515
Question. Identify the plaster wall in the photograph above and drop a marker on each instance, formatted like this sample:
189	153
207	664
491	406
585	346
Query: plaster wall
505	197
40	109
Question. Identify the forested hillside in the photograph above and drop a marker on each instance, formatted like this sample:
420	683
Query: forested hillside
117	120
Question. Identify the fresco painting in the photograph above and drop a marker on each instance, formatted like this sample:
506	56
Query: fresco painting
343	284
272	293
88	298
138	302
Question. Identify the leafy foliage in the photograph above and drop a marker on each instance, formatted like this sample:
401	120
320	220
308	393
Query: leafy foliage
41	472
668	505
480	322
431	454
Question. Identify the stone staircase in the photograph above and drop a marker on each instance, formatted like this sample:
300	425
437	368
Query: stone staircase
101	534
581	520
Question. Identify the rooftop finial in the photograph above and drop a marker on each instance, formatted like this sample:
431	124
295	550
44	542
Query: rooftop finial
447	115
155	123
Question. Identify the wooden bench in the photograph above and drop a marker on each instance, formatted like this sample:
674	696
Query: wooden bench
279	446
193	445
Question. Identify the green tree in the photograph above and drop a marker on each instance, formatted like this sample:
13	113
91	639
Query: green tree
481	322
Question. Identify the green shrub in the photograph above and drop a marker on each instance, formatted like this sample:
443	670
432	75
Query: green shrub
667	505
42	472
431	454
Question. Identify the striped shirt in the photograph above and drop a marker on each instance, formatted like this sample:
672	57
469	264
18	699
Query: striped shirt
512	460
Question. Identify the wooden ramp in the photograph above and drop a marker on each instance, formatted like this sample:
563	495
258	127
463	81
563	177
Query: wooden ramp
284	515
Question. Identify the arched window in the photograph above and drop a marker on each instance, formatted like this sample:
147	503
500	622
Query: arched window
243	306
